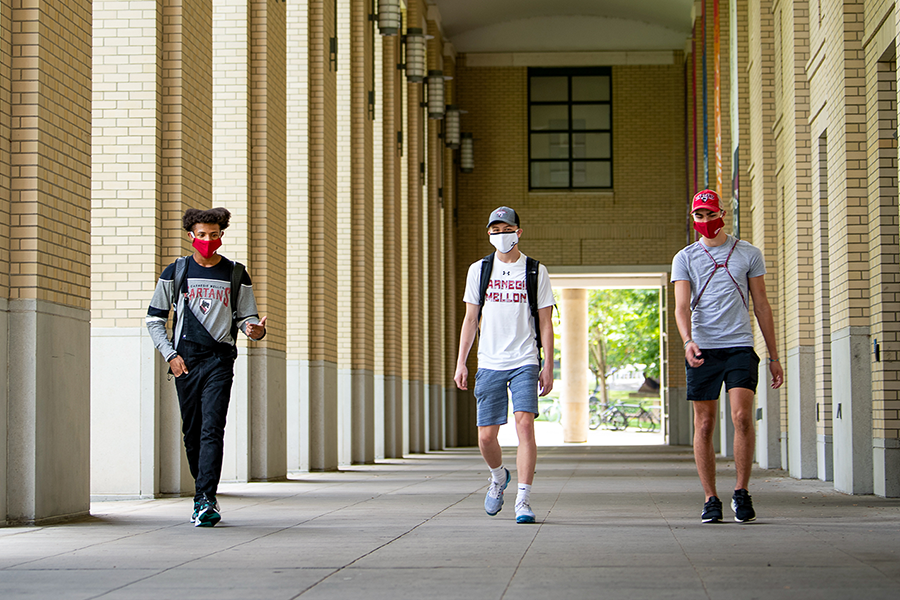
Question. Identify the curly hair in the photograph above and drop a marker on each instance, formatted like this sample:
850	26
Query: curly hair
192	216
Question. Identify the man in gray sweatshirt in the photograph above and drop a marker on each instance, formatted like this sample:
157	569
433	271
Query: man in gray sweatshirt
208	313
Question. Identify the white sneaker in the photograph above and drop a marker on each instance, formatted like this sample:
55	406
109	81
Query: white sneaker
493	500
524	514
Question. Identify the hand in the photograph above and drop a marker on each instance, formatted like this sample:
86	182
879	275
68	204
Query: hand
178	367
256	332
692	354
777	374
545	380
462	377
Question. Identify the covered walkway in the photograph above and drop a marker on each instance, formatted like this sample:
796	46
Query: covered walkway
613	522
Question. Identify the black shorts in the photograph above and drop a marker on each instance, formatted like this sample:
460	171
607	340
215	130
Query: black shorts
737	367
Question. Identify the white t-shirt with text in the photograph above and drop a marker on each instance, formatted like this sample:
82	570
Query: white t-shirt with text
507	339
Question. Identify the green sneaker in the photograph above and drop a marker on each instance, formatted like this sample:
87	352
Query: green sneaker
208	513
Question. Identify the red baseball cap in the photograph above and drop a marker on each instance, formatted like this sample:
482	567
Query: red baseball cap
707	199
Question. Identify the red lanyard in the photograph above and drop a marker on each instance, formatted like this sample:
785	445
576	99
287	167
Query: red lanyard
711	275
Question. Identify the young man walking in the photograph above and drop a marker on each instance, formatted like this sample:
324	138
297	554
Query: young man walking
715	278
508	355
212	298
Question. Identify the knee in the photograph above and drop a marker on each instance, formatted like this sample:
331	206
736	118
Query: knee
704	427
486	437
743	422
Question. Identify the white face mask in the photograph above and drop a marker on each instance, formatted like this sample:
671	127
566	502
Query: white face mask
504	242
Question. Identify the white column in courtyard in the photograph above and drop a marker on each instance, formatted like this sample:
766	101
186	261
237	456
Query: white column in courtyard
574	392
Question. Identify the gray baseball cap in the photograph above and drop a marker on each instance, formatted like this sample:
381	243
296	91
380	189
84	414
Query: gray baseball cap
504	214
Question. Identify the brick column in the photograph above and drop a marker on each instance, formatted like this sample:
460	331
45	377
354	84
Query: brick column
345	239
415	262
5	192
165	113
849	256
433	215
392	305
231	189
881	113
298	249
45	125
450	293
761	210
361	228
323	296
794	188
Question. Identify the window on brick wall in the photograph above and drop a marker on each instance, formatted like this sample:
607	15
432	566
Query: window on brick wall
570	128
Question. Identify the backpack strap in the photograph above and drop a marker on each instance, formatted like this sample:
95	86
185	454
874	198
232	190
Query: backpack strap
531	288
237	274
487	265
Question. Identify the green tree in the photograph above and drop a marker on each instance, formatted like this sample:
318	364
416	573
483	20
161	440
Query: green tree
623	329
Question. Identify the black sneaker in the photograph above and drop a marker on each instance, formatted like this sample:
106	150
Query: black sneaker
712	511
196	511
208	515
742	506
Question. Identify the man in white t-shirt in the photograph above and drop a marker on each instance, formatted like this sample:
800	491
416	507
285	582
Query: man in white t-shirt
508	358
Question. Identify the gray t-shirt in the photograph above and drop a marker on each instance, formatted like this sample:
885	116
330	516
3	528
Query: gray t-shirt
721	318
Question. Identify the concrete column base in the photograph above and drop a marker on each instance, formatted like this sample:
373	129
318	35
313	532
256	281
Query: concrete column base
4	403
362	417
393	416
825	457
48	428
801	397
451	417
126	436
724	441
236	456
886	466
378	415
323	416
414	402
680	417
852	410
297	410
768	422
435	417
268	414
345	416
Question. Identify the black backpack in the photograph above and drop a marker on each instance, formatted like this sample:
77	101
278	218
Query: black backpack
531	288
237	273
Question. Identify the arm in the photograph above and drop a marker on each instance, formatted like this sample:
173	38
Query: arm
683	320
545	380
763	313
157	315
466	339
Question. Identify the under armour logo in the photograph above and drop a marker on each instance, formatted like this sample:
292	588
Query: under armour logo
507	272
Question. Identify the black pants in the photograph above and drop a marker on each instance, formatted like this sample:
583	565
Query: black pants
203	394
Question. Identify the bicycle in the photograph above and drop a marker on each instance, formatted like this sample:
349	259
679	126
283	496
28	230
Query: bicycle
610	414
646	420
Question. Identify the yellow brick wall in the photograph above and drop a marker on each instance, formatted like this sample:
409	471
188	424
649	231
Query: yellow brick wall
322	185
391	309
267	184
50	153
5	118
361	227
297	181
126	160
186	144
640	222
883	220
344	203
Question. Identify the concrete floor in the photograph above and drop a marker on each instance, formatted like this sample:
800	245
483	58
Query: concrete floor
613	522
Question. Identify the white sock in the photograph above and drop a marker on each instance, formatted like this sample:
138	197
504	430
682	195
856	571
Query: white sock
498	475
524	493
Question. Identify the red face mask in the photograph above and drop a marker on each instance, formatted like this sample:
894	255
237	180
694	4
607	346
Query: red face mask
206	248
709	229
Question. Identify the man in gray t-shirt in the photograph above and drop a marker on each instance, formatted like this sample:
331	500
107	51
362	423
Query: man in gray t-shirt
715	279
